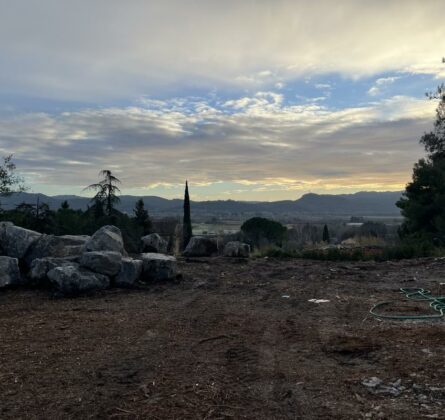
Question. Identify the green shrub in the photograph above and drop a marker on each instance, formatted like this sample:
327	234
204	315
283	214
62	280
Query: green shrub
335	254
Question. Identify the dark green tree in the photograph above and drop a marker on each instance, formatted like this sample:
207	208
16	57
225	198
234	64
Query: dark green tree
106	192
97	208
68	221
326	237
37	216
141	217
423	202
258	229
187	221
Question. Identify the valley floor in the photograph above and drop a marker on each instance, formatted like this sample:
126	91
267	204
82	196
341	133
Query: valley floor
231	339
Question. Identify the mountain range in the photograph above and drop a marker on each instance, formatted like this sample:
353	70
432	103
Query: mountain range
357	204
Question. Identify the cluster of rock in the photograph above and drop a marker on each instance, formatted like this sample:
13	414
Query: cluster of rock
201	246
75	264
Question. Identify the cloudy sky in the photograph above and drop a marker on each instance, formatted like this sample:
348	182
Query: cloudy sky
251	100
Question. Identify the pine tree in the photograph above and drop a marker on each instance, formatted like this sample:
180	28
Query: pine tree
187	222
326	237
423	202
107	191
141	217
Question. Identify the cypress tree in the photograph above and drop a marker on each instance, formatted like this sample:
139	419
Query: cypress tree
326	237
187	222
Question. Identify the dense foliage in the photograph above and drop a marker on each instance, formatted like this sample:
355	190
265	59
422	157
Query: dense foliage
66	221
423	203
259	231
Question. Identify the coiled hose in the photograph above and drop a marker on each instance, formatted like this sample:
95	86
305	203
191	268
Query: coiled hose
417	294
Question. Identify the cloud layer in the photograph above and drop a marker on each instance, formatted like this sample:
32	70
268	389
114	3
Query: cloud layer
247	99
86	50
257	142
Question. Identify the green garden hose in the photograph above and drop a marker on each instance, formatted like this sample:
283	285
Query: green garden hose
436	303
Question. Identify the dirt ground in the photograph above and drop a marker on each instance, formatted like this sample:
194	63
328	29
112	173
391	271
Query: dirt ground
231	339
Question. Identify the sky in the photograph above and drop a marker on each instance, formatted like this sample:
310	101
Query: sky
248	100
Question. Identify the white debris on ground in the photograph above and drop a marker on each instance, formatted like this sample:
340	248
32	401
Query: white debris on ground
318	300
376	386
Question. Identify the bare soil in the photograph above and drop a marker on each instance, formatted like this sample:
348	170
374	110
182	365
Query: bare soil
231	339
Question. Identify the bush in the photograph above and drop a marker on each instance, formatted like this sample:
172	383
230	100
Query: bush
410	250
275	252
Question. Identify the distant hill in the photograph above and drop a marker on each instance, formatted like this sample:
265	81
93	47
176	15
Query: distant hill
358	204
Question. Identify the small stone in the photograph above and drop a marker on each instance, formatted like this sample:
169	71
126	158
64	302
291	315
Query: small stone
372	382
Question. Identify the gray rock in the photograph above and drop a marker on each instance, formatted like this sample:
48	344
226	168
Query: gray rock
158	267
107	238
154	243
130	273
3	226
56	247
102	262
9	272
236	249
200	246
41	266
70	280
15	241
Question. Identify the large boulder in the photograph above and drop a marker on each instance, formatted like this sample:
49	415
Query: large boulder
158	267
236	249
15	241
9	272
56	247
130	272
71	280
102	262
41	266
201	246
154	243
107	238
